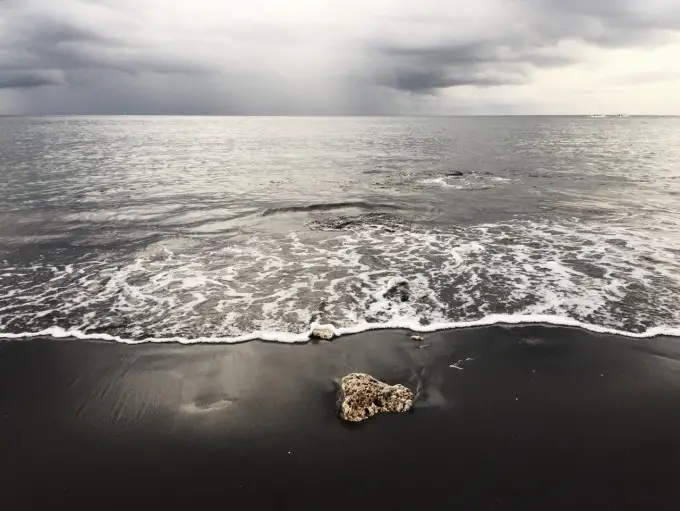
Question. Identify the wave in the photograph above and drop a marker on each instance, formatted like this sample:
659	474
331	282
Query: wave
397	324
370	272
327	206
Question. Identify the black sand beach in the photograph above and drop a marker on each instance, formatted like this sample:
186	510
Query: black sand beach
539	418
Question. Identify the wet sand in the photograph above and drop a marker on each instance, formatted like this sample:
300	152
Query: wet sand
539	418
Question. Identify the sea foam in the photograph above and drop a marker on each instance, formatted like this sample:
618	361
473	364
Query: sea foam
411	325
601	278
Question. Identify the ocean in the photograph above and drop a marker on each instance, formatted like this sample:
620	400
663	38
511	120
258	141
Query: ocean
227	229
557	238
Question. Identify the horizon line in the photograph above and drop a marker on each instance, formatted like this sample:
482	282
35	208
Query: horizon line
590	115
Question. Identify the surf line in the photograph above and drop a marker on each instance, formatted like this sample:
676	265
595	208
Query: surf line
397	324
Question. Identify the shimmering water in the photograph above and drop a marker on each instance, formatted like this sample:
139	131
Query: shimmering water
225	229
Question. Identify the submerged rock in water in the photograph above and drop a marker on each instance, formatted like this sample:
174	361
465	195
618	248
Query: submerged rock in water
370	220
363	397
398	289
326	332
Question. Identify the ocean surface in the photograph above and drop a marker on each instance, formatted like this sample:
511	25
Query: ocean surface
213	229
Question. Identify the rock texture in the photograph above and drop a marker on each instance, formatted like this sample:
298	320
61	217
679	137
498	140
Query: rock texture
323	332
363	397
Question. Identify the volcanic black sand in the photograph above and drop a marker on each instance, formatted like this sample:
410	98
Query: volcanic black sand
538	418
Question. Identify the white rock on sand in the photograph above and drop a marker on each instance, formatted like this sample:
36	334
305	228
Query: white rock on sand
363	397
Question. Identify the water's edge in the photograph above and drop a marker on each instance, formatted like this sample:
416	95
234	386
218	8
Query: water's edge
290	338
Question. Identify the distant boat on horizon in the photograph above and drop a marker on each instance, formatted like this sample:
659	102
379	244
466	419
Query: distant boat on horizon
605	115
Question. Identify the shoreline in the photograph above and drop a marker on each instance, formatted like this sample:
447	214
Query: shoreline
538	417
492	320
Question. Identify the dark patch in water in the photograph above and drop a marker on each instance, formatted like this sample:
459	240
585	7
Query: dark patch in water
107	328
586	268
326	207
618	243
399	292
389	223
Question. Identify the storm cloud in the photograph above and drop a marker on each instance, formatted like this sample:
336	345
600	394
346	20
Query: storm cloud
27	80
336	57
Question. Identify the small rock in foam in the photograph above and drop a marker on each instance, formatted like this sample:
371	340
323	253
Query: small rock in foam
326	332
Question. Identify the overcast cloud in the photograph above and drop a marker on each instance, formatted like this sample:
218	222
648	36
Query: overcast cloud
316	57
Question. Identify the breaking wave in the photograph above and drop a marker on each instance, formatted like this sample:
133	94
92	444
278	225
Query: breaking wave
370	271
309	208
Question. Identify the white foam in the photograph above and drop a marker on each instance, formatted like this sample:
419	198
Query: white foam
442	182
600	278
471	181
412	325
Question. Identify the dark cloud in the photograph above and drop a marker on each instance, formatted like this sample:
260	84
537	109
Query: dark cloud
55	42
607	23
21	80
42	32
152	56
508	56
428	81
481	64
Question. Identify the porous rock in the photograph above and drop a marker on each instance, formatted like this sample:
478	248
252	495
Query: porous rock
363	397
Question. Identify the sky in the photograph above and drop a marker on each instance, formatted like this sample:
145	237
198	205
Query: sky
339	57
